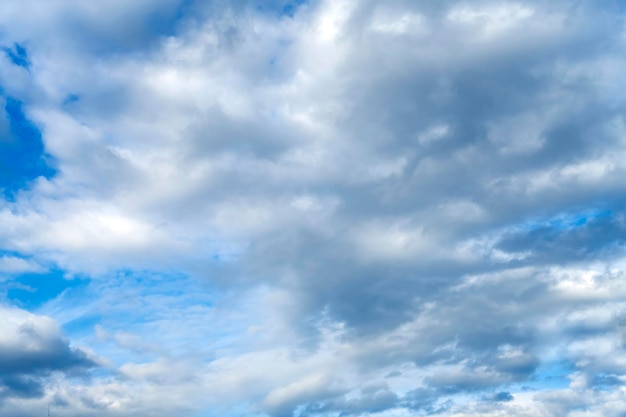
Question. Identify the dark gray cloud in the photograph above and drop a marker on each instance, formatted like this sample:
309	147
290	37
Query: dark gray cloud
31	348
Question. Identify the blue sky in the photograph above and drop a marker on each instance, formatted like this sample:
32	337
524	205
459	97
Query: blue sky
312	208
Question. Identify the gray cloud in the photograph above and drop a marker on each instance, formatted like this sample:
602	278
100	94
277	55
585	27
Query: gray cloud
411	173
373	399
501	396
31	348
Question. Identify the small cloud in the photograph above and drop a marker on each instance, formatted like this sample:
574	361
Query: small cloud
15	265
503	396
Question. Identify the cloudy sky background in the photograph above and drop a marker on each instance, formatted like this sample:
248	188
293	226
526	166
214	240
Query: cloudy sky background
312	208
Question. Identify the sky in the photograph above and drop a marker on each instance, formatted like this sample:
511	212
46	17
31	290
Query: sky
312	208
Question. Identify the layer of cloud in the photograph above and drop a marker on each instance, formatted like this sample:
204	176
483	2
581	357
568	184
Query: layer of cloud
419	203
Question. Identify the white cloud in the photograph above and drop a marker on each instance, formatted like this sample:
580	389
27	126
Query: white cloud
356	181
14	265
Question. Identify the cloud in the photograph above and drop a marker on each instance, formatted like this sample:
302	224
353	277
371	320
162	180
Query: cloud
501	396
372	399
282	401
32	347
425	190
15	265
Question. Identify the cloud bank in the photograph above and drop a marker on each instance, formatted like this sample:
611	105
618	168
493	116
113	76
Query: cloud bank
313	208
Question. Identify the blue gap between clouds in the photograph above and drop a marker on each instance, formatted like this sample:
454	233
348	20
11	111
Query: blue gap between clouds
18	55
31	290
136	303
550	375
568	221
82	326
553	375
22	154
282	8
290	8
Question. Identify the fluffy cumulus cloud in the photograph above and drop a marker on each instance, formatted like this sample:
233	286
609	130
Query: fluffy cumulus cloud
313	208
33	348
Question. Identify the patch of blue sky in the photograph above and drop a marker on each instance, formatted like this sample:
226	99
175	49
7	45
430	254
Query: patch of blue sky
71	98
12	253
136	312
567	221
82	326
287	8
168	284
241	410
22	153
552	375
290	8
32	290
18	55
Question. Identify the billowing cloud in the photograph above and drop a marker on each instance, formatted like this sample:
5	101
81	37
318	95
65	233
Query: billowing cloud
323	207
31	348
